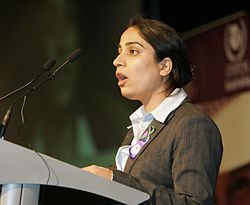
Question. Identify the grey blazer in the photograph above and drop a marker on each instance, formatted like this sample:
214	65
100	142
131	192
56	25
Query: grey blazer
180	162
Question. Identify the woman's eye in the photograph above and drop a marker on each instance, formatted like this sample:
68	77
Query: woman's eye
133	52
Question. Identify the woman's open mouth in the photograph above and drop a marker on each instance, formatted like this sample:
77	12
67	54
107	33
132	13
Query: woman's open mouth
121	79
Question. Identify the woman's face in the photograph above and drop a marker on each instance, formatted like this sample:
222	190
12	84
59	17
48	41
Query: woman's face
138	72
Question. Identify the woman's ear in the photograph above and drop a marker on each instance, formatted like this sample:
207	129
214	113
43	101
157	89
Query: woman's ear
165	66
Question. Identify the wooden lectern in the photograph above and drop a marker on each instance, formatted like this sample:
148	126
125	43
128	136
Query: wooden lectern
26	174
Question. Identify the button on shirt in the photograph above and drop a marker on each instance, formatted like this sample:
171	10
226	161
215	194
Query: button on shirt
140	120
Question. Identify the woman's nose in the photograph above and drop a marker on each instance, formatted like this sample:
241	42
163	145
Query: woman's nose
118	62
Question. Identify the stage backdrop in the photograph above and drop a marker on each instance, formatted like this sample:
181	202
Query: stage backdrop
220	51
80	116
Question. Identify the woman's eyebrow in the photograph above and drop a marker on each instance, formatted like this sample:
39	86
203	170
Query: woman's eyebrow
131	43
134	42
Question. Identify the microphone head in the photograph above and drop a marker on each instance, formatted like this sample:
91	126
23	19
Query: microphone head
74	55
49	64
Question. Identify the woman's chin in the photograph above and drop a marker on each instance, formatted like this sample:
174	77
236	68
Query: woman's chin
128	95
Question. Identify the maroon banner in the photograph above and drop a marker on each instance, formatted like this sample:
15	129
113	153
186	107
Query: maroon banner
221	54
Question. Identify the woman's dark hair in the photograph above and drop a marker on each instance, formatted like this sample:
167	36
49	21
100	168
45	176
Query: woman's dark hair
166	43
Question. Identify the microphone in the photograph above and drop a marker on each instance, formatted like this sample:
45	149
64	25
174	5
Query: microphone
4	123
71	58
47	66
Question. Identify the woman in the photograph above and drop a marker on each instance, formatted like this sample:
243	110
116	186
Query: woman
172	150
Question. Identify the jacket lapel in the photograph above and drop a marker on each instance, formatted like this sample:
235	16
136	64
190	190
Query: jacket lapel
158	127
128	138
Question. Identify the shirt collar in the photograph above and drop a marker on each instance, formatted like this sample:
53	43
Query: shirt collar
161	112
171	102
140	116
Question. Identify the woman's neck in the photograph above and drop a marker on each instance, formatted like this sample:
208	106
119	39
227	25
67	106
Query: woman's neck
155	100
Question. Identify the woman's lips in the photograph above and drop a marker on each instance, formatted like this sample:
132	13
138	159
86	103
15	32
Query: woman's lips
121	79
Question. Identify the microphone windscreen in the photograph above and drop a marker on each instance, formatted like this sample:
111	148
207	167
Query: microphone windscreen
49	64
74	55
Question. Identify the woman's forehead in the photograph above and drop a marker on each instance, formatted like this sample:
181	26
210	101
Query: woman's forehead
132	34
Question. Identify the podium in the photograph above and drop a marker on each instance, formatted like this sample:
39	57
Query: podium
26	174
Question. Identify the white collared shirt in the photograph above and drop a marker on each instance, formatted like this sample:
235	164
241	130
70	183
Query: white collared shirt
141	120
